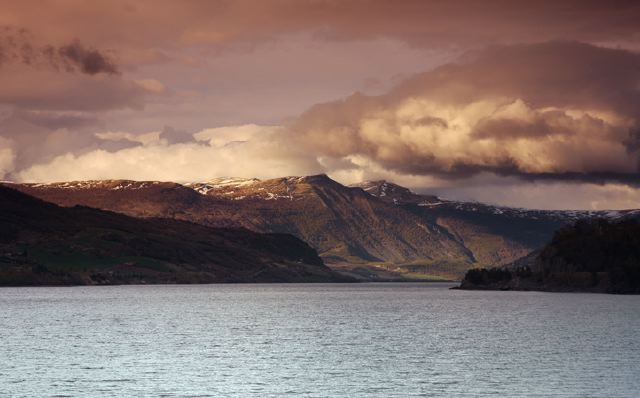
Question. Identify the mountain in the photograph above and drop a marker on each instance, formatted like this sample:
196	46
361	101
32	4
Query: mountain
44	244
495	235
373	230
396	194
591	255
354	231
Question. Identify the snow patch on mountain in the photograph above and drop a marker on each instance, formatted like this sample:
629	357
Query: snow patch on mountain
222	183
113	185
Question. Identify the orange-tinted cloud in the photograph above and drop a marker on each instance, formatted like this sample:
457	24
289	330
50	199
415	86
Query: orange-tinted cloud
247	150
526	110
550	110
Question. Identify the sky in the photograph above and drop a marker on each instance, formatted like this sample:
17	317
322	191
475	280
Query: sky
518	103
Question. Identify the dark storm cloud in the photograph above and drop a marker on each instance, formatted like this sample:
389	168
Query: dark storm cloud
18	46
87	60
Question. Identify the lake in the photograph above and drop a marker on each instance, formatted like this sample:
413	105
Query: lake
316	340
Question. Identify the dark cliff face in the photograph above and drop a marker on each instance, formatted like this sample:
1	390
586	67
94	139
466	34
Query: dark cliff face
589	255
41	243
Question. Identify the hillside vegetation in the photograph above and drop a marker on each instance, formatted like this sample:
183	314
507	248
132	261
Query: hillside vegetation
590	255
41	243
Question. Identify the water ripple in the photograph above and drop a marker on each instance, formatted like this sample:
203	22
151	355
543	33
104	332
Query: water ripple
366	340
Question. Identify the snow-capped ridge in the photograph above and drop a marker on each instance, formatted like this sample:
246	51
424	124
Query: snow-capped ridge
399	195
296	187
113	185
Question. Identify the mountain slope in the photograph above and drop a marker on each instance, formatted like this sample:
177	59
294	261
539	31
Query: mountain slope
346	225
494	235
41	243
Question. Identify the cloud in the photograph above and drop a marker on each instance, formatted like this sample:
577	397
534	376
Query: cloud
213	155
559	110
551	195
152	137
217	152
87	60
19	46
224	136
171	135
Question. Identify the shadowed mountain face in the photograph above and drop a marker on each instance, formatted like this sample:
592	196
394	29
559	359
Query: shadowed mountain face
41	243
367	229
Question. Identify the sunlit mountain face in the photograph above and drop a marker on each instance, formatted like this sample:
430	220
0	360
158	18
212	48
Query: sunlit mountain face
518	104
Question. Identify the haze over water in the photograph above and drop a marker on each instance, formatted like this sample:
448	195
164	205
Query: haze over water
355	340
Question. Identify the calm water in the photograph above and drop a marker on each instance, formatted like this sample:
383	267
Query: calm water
365	340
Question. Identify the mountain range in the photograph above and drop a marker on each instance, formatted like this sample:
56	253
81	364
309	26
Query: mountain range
374	230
